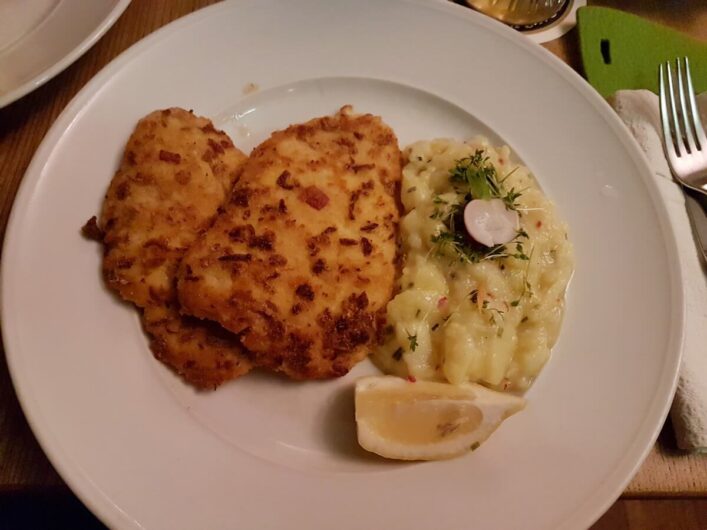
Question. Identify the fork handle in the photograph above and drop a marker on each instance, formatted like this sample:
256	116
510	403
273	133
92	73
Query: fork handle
696	206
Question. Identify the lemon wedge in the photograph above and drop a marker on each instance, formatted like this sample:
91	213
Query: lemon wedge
423	420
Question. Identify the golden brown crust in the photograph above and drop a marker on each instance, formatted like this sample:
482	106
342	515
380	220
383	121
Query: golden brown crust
177	170
175	173
201	352
301	261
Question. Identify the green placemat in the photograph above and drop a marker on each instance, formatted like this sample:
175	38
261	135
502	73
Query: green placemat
622	51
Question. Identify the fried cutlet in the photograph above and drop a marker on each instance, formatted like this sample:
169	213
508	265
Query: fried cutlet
300	264
177	171
202	352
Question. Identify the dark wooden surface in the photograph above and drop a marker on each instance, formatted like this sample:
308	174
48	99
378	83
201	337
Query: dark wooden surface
32	495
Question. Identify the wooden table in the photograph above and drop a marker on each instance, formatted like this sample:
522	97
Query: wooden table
669	491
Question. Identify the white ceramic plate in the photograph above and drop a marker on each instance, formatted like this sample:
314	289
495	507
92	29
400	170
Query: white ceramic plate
142	450
39	38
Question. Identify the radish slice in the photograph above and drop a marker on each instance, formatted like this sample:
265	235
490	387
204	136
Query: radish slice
489	222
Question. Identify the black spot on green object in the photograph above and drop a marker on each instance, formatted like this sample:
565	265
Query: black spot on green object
634	50
605	51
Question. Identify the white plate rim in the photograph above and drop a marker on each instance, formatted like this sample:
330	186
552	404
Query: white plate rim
585	514
68	59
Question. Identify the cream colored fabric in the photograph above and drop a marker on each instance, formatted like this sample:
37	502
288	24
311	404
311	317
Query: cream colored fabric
639	111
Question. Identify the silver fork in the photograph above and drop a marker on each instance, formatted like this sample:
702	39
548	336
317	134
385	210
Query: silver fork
683	136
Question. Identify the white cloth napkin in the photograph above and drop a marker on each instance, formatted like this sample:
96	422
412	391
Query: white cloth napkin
639	111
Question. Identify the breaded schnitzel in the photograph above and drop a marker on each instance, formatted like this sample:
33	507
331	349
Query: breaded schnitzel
176	172
301	262
202	352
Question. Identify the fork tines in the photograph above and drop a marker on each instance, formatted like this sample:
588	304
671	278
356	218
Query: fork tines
682	130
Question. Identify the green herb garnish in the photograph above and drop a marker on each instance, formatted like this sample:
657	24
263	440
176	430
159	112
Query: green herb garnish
469	251
527	288
473	177
412	339
476	177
